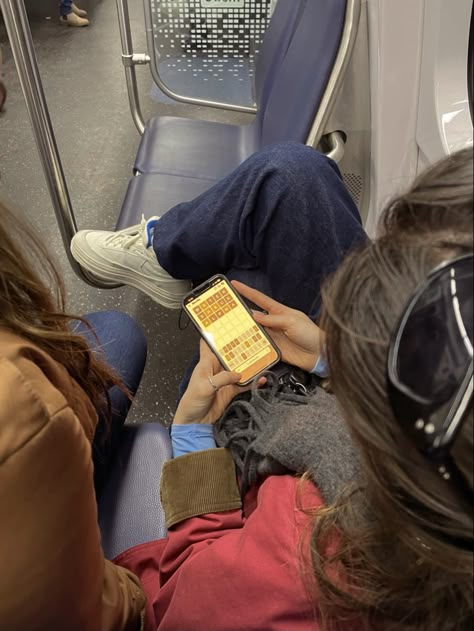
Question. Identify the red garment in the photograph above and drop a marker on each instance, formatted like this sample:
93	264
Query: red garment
223	572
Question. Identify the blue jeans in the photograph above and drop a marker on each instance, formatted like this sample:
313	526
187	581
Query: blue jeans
281	222
65	7
122	344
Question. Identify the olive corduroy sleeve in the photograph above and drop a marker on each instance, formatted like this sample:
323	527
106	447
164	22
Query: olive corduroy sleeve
199	483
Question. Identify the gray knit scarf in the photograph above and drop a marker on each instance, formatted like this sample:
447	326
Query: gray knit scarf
273	432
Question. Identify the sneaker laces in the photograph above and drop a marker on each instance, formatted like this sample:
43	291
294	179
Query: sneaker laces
133	238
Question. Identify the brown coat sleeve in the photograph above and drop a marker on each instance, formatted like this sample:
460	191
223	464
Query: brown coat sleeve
53	573
199	483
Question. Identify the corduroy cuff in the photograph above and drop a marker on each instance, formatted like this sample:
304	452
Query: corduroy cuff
199	483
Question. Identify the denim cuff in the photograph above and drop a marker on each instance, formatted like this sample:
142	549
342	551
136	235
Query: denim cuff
194	437
321	368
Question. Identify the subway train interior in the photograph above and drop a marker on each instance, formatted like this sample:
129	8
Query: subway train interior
138	106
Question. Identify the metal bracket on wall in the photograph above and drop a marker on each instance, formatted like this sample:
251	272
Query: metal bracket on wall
337	145
136	59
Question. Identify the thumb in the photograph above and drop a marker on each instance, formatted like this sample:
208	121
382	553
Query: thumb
224	378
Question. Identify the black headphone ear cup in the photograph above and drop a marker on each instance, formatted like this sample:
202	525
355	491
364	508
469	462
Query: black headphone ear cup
430	357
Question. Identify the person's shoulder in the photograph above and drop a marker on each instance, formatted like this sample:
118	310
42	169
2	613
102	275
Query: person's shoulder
28	398
23	413
289	491
35	367
288	501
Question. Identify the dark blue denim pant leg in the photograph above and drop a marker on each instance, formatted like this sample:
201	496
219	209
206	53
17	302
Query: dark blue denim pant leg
122	344
281	222
65	7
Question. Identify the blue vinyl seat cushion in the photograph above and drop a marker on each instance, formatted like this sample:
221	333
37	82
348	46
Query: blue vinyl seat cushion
202	149
130	511
154	194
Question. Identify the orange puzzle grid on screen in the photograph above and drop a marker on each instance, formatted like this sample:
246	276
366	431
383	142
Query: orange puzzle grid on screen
237	338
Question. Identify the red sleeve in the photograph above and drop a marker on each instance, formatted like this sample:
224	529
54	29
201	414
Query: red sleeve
221	572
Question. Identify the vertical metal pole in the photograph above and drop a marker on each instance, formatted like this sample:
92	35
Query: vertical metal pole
129	67
21	42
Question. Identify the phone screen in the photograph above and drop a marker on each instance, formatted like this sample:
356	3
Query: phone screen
230	330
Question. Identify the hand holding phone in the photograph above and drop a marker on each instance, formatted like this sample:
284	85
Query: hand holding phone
209	392
228	327
299	339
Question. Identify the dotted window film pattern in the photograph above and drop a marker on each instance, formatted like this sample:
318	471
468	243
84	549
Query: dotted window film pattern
212	40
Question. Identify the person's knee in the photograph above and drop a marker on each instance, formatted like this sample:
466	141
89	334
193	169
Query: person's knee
119	325
298	161
131	330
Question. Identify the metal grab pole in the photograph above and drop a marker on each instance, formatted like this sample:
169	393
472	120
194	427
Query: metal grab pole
129	65
21	42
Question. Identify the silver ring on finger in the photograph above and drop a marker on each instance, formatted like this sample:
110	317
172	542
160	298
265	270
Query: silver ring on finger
214	387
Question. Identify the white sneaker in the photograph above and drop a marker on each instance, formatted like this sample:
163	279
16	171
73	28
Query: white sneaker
80	12
71	19
127	257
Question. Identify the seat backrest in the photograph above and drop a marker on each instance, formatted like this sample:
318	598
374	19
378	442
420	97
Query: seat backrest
301	79
130	511
274	47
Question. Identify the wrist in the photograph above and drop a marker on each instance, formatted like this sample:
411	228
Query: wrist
186	414
193	414
181	417
308	363
178	420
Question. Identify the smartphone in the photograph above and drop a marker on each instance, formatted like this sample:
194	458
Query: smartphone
226	323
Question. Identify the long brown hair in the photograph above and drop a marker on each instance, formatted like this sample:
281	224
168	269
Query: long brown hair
32	306
395	565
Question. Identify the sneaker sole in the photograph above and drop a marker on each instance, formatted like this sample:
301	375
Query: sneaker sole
66	23
166	300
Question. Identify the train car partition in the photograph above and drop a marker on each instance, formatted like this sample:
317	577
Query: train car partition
205	51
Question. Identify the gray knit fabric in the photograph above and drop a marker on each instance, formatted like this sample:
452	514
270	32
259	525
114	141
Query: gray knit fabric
276	432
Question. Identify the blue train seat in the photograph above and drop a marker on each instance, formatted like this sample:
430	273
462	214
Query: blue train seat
293	69
212	150
293	72
130	511
153	194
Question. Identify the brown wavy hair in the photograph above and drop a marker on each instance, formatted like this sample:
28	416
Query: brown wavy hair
394	558
32	306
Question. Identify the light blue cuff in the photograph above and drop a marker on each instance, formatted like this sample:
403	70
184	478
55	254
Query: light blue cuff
321	369
188	438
